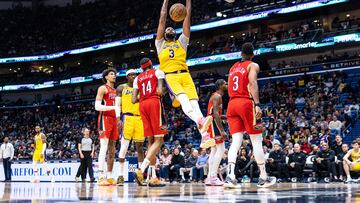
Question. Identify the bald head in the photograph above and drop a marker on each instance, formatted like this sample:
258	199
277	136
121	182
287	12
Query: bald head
297	148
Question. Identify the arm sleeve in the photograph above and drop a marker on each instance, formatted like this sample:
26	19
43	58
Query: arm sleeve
160	74
117	106
159	44
184	41
135	83
100	107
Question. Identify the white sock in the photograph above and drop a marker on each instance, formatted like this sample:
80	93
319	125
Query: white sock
153	173
348	177
231	170
139	164
109	174
259	155
144	165
102	154
195	106
220	149
211	161
236	143
187	107
122	165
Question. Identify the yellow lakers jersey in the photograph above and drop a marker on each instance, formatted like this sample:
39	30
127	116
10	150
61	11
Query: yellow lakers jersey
38	142
172	57
355	155
126	105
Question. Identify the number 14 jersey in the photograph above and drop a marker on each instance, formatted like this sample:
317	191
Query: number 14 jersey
147	83
238	82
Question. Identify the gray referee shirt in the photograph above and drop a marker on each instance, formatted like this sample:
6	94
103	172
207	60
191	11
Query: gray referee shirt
86	144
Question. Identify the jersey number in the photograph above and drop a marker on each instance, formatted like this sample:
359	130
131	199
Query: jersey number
147	88
172	53
236	83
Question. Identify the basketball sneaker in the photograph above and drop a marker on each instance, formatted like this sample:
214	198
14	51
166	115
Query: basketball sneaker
103	182
204	123
269	181
231	183
213	181
77	179
155	182
139	177
120	181
207	141
111	181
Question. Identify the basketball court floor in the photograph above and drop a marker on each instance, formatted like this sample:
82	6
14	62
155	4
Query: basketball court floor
88	192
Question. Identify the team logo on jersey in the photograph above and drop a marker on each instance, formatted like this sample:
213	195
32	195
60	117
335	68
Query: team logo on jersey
171	46
112	96
128	91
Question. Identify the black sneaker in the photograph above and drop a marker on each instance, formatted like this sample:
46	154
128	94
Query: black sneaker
120	181
266	183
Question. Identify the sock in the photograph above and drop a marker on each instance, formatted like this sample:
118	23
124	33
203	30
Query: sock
144	164
195	106
211	161
149	172
139	164
122	165
220	149
187	108
102	154
153	172
109	174
237	139
348	177
259	155
231	170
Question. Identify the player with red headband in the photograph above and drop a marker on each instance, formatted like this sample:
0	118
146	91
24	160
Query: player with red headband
150	85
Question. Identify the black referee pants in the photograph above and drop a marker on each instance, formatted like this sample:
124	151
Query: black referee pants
86	165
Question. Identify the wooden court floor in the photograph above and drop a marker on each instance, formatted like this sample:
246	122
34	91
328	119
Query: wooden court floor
191	192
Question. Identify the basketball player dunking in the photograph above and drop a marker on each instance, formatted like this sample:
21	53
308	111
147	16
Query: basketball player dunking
107	125
243	112
172	57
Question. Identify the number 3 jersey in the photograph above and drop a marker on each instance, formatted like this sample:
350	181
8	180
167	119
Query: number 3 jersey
147	83
238	82
172	55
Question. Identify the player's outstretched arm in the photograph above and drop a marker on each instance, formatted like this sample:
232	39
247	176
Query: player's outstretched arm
187	20
162	21
99	97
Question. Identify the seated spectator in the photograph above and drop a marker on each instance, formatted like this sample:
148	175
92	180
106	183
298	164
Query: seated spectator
324	161
339	166
244	166
198	170
353	165
165	161
277	163
190	163
337	146
296	162
305	146
177	162
335	126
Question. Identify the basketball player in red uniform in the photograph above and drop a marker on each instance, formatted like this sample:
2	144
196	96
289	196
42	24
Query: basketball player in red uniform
242	115
217	132
107	125
150	85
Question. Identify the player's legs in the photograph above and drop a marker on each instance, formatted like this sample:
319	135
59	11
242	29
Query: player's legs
36	170
102	156
237	139
110	158
215	163
124	146
347	169
140	151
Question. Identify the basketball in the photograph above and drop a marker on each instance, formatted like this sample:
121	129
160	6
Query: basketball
177	12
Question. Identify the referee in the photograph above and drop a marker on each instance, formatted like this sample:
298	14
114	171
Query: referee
86	152
7	155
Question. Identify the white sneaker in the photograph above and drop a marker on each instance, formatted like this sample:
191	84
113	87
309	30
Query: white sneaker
349	180
35	180
53	180
231	183
266	183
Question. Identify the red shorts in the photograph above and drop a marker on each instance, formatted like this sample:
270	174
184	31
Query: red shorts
241	116
107	127
152	116
214	132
